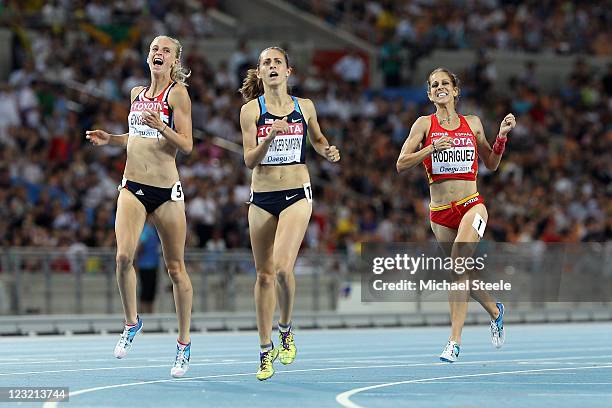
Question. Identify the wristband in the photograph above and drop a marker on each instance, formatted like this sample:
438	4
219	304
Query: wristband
164	129
500	145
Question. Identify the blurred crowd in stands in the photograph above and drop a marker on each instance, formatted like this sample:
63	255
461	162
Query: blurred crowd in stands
56	190
558	26
405	31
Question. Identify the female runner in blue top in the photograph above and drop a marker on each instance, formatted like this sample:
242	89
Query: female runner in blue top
274	129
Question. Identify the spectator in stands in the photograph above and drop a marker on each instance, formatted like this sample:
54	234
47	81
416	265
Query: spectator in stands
148	267
240	61
391	63
351	68
556	130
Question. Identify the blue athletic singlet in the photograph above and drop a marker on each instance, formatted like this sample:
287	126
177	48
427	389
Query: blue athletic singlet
286	148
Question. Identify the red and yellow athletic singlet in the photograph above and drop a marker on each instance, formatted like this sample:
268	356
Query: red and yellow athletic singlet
158	104
460	162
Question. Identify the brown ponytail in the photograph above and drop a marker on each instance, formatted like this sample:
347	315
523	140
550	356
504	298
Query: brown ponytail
252	87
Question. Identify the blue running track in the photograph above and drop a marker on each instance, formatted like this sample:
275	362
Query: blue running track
552	365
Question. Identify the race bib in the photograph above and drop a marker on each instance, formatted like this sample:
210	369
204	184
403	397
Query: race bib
286	148
137	127
479	225
453	161
123	182
177	192
308	192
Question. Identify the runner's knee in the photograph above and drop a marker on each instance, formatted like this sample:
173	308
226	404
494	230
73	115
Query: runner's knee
265	277
124	261
176	270
283	268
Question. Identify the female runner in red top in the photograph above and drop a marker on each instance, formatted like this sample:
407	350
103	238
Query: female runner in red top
450	145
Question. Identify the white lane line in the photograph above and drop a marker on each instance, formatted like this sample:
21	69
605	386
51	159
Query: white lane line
43	351
121	368
551	394
496	352
478	382
504	351
39	362
323	360
564	363
215	381
514	382
97	360
370	359
344	398
547	374
345	382
107	387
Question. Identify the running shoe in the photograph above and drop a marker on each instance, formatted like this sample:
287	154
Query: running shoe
127	337
498	335
287	350
266	360
450	353
181	362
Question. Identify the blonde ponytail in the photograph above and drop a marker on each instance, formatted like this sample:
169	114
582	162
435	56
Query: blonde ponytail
180	74
252	86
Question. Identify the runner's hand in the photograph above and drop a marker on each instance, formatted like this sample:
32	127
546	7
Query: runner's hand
507	125
443	143
332	154
278	126
97	137
152	119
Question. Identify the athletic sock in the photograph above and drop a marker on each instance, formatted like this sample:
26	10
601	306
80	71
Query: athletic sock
284	328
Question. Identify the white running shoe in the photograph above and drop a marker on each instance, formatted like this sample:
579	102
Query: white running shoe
125	341
181	362
498	335
450	353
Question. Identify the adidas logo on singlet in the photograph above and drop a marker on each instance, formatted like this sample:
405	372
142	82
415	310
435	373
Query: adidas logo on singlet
139	192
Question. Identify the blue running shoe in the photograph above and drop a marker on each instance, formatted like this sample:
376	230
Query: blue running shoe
498	335
127	337
181	362
450	353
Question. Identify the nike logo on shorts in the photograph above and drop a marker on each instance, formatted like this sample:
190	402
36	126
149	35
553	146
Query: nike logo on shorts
290	197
